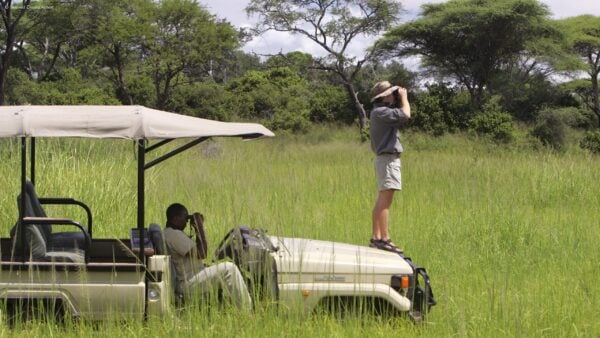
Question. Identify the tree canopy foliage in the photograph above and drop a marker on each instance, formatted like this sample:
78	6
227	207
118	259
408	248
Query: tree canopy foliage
471	41
333	25
485	63
582	38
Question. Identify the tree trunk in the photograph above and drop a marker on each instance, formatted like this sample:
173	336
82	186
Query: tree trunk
122	91
360	110
596	97
3	71
4	63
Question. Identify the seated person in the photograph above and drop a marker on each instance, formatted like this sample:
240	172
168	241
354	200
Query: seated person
187	255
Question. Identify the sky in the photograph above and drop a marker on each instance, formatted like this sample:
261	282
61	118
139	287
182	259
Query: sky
275	42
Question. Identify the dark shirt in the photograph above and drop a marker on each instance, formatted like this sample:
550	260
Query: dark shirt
385	136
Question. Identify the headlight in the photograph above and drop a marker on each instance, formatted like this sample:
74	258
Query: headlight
153	294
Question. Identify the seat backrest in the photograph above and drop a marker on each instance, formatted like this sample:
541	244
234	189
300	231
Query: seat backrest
36	243
33	208
156	237
160	248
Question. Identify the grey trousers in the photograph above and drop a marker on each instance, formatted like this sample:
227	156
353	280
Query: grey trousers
225	276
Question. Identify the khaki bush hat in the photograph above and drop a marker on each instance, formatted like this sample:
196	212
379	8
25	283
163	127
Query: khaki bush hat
382	89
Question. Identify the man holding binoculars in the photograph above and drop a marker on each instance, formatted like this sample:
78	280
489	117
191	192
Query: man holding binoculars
187	254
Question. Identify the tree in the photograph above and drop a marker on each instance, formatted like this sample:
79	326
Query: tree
49	30
184	41
582	38
9	31
471	41
115	29
333	25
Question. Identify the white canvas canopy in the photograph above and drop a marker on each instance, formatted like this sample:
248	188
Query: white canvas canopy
128	122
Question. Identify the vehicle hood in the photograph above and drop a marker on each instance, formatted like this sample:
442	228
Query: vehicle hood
333	258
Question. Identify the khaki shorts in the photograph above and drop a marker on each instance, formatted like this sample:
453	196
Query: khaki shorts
387	169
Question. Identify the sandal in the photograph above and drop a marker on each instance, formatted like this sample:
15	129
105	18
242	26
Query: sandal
384	244
390	246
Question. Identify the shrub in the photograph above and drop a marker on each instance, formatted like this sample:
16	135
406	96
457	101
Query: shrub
141	89
429	115
203	99
330	104
591	141
290	121
572	116
550	130
277	96
441	109
493	122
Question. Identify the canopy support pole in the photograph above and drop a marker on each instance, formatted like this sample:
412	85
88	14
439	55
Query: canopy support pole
141	145
20	227
32	156
174	152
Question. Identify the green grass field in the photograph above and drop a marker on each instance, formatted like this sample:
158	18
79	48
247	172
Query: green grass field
509	236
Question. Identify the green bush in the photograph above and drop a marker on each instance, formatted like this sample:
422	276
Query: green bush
331	104
441	109
550	130
207	100
20	89
67	87
290	121
493	122
430	117
141	90
572	116
591	141
277	96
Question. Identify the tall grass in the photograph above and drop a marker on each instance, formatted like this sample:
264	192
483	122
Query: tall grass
510	236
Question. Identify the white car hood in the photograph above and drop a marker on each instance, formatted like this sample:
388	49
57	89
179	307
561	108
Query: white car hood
332	258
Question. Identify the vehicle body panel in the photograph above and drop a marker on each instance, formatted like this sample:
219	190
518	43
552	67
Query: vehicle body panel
310	270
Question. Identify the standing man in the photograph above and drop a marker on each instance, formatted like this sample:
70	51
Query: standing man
390	110
187	255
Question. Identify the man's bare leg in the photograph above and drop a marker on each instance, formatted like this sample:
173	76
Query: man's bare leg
381	214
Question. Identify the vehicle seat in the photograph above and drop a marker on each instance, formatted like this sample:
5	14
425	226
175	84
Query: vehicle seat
58	241
156	236
37	248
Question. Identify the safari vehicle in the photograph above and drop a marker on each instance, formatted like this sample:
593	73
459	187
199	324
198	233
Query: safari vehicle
75	273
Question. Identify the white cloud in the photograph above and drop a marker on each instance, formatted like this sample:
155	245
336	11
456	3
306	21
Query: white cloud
274	42
562	9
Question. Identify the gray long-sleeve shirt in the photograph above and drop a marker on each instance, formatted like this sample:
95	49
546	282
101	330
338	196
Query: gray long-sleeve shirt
385	136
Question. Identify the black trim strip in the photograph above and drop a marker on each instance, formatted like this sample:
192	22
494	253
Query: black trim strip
90	267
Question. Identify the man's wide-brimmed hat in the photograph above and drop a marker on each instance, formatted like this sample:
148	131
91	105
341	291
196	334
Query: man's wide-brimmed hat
382	89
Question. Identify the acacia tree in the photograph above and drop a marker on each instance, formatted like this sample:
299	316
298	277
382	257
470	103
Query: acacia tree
333	25
582	36
11	13
472	41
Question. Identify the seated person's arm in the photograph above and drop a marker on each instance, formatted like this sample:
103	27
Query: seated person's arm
201	244
180	243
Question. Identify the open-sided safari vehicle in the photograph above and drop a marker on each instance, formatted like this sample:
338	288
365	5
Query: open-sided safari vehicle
95	278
